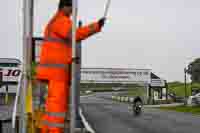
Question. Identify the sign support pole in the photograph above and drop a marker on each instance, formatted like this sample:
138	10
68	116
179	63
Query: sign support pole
26	68
74	60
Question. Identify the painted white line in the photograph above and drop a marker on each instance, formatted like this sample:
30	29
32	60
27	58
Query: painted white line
86	124
164	105
87	95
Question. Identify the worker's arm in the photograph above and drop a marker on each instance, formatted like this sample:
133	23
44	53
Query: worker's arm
64	29
86	31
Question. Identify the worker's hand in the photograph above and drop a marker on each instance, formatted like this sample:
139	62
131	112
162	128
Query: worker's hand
102	22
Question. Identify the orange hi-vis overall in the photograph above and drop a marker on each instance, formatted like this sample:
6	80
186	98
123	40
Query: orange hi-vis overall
55	60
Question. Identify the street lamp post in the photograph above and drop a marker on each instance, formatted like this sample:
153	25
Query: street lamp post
185	76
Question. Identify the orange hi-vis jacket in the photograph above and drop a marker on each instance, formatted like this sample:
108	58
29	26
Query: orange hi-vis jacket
56	49
55	58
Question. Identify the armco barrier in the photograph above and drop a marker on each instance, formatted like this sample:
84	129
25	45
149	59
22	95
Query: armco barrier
131	99
123	99
126	99
118	98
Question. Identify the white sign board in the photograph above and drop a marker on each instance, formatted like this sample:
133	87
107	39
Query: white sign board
10	74
124	76
157	83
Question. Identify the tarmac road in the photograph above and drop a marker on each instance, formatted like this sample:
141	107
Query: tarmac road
106	116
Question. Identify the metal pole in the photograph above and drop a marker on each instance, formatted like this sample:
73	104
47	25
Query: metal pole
191	88
6	97
1	78
167	90
27	42
18	90
185	83
78	78
73	91
191	84
33	49
106	8
147	91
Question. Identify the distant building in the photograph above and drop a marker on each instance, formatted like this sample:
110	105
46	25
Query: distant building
121	78
158	88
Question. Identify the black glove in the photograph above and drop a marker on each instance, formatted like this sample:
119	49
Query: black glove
102	22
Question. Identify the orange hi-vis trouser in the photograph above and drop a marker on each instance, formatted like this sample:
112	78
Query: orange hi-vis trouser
57	100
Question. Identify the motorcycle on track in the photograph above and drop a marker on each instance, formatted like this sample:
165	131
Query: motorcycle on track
137	106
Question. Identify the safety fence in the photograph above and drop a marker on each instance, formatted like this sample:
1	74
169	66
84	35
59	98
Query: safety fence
123	99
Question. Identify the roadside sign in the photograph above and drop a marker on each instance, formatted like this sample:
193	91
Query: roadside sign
157	83
9	74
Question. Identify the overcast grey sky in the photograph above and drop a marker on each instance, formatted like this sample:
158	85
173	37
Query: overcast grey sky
158	34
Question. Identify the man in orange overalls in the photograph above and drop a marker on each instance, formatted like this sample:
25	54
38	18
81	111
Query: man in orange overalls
55	61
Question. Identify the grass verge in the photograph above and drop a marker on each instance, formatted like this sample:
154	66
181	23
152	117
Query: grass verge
136	92
186	109
179	88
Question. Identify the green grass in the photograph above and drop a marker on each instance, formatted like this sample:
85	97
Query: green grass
138	91
134	90
179	88
193	110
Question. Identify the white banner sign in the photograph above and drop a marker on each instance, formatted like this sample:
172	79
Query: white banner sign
115	75
157	83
